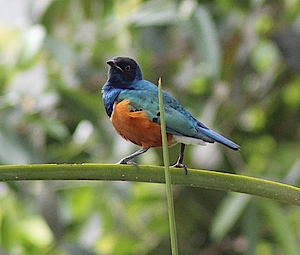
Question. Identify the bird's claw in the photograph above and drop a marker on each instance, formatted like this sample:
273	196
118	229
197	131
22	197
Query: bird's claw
125	162
181	165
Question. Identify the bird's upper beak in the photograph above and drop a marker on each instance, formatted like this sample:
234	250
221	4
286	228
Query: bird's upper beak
113	64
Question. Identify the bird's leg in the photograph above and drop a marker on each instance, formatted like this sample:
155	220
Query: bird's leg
179	162
133	155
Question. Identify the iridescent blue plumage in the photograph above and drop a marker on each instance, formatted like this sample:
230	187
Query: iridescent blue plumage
125	82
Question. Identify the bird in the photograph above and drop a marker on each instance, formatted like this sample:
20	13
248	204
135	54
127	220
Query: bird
132	105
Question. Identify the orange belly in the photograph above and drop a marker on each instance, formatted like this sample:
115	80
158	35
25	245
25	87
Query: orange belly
136	127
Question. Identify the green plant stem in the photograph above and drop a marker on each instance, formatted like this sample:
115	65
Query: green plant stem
171	212
112	172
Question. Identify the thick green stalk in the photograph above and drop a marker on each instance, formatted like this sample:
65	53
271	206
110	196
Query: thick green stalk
172	222
195	178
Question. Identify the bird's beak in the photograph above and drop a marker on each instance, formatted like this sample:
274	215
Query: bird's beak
113	64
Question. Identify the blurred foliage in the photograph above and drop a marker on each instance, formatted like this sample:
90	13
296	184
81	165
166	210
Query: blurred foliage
234	64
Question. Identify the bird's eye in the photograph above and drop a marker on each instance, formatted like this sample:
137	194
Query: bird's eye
127	68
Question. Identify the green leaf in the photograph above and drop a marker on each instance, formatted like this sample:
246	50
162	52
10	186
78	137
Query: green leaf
31	43
281	228
228	214
154	13
206	39
12	149
82	104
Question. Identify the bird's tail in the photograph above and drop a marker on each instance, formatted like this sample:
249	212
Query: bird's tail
219	138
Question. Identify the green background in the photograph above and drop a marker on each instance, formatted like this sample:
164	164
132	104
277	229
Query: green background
233	64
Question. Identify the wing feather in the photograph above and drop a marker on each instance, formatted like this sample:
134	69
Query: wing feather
178	121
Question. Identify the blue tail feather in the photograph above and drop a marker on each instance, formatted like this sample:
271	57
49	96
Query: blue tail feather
219	138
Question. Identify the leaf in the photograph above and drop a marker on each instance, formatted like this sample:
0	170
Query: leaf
228	214
12	149
82	104
31	43
155	13
206	39
281	229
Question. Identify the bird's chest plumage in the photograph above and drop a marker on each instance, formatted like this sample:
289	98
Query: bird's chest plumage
136	127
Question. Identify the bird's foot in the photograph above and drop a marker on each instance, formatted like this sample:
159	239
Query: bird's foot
180	165
127	162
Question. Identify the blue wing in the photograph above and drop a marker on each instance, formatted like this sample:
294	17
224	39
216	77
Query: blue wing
179	121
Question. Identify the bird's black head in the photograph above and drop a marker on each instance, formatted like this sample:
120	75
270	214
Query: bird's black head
123	71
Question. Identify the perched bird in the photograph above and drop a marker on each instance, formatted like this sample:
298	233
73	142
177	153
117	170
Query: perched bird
132	105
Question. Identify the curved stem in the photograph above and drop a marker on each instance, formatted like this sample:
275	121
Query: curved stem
113	172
